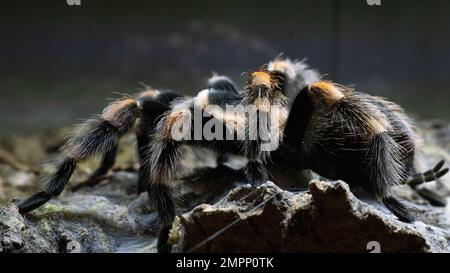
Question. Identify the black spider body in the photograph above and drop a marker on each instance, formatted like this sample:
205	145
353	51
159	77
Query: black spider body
361	139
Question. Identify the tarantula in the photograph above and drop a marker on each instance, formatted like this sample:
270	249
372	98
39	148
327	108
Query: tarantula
364	140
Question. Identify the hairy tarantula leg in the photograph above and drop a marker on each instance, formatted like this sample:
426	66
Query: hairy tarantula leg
53	188
97	135
34	202
162	244
143	177
432	197
385	170
108	161
154	104
162	197
165	160
160	194
428	176
165	156
143	142
398	209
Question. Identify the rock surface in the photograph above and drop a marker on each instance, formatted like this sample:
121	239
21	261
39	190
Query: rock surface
327	218
219	213
80	222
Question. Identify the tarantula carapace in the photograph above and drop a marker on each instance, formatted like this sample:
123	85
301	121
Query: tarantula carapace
364	140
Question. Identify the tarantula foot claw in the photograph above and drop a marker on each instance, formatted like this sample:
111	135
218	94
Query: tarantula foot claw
162	245
33	202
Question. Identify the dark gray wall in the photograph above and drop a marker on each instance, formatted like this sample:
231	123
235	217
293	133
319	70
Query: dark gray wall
59	63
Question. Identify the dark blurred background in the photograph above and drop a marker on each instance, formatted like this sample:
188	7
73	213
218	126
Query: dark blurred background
58	63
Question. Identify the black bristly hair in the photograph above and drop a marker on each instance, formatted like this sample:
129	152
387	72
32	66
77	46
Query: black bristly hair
363	140
152	107
297	75
340	134
100	135
281	79
167	153
404	133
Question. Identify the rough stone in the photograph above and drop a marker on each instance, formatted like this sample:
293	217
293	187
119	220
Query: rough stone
327	218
